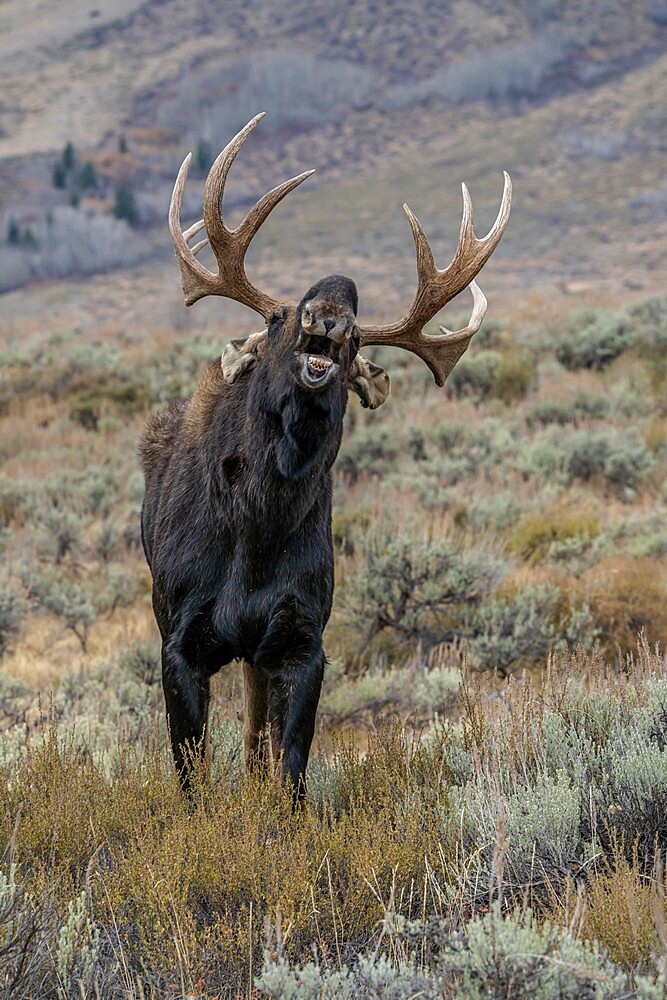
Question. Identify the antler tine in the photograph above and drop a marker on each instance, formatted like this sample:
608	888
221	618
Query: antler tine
194	276
229	245
436	287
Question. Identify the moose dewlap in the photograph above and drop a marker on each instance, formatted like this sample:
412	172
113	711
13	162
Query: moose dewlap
236	518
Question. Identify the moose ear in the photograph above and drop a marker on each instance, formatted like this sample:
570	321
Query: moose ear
277	318
239	356
370	382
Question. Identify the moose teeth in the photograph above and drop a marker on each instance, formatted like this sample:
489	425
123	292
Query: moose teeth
317	362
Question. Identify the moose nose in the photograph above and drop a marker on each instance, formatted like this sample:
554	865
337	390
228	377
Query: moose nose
329	324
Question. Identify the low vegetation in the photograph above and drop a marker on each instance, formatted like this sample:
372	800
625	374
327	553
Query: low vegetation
516	850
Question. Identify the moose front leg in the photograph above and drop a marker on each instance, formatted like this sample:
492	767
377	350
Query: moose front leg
301	686
291	656
187	694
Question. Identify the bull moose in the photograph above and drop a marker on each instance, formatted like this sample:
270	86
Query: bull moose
236	518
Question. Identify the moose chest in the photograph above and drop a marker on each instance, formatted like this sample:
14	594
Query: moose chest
275	583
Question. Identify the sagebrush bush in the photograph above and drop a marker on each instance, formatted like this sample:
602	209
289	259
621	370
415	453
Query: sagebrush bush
545	412
371	450
515	377
13	502
536	534
421	589
620	460
475	375
593	340
498	955
514	629
12	609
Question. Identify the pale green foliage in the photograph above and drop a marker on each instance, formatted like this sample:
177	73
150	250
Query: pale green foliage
12	609
513	955
535	828
78	947
517	630
371	450
419	588
59	532
635	793
498	956
475	374
620	459
593	339
67	599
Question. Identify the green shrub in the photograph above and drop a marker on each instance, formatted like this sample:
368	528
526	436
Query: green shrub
87	176
516	376
371	450
514	955
125	205
544	457
12	609
204	156
535	535
514	631
593	339
535	826
475	375
15	697
548	412
591	406
497	955
122	395
59	532
67	599
422	590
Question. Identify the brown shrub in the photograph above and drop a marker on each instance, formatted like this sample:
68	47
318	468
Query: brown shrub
627	595
620	911
534	535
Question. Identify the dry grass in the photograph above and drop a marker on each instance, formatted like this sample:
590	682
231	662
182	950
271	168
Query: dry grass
435	830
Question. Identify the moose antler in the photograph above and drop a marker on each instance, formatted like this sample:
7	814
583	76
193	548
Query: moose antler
435	288
228	245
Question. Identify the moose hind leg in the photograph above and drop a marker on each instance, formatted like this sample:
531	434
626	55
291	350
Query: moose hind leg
254	715
187	694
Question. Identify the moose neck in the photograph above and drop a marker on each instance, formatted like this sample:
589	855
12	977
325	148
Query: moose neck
293	435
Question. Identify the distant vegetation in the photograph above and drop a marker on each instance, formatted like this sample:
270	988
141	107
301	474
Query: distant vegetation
521	511
340	88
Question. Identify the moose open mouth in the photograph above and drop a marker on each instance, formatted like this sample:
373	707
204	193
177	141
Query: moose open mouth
318	358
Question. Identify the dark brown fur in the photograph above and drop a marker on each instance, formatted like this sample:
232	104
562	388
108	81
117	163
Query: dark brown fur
236	527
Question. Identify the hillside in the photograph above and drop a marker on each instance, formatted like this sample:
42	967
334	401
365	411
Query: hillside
389	102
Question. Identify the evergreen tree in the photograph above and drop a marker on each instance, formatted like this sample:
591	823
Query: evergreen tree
87	176
125	206
68	157
59	175
204	157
